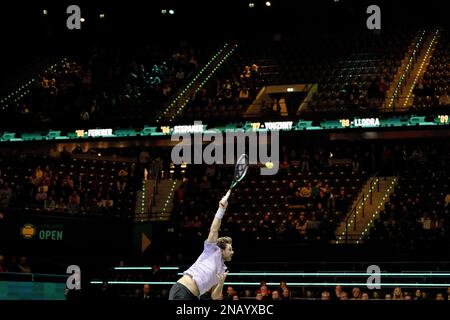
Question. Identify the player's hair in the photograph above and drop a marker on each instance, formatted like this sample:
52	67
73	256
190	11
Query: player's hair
223	241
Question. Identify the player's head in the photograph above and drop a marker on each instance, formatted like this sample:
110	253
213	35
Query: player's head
225	245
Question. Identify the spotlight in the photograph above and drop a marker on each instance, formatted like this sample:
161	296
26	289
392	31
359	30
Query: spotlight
102	15
251	5
268	3
163	11
82	19
44	12
171	11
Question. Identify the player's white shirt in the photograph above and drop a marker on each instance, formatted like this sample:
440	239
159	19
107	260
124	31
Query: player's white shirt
205	270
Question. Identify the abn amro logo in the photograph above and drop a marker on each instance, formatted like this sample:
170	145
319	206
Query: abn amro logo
28	231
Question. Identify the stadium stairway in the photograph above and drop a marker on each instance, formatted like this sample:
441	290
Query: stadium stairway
403	72
195	83
406	96
365	210
154	201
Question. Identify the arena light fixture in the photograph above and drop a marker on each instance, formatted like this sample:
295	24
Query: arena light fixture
339	274
293	284
145	268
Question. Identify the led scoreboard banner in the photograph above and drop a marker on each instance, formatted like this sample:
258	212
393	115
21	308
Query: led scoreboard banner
198	127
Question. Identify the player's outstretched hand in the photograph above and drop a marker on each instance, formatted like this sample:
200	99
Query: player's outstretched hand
222	277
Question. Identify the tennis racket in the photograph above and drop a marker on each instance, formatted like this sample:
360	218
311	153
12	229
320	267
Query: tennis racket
240	170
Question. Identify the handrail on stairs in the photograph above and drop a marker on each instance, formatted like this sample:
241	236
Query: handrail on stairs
409	67
155	191
354	214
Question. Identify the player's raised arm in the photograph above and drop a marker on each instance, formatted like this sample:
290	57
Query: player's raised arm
215	226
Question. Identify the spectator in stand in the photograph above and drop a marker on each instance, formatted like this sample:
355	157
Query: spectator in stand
122	180
157	167
286	294
5	196
105	202
69	184
341	202
179	76
275	295
305	191
282	286
325	295
74	202
49	204
230	293
227	92
61	205
444	100
343	296
265	292
54	153
418	295
244	96
365	296
440	296
147	293
337	292
246	74
291	194
322	199
3	267
84	115
144	160
356	294
447	200
37	176
41	195
305	159
398	294
302	225
23	265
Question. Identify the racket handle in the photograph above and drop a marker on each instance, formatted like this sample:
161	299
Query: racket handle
227	195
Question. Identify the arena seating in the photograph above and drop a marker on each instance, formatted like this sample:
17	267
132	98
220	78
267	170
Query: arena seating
69	185
432	93
107	86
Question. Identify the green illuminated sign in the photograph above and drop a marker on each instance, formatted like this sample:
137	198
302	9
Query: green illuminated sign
298	125
42	232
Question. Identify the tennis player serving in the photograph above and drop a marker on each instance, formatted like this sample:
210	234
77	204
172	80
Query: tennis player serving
208	273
